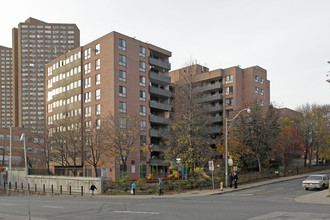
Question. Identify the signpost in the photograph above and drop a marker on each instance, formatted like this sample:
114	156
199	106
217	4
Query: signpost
211	168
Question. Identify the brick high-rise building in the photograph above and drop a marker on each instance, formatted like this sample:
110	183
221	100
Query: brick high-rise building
6	97
226	90
36	43
114	74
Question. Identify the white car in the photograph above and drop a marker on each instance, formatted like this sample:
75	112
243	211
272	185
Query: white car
318	181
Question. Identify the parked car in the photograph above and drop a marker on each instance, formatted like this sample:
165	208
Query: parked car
319	181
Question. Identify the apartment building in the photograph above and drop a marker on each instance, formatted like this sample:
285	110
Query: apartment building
226	90
34	148
6	97
116	75
36	43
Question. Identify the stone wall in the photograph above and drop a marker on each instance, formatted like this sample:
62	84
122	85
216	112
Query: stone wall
18	176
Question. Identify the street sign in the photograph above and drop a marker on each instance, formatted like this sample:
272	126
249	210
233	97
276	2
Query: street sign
211	165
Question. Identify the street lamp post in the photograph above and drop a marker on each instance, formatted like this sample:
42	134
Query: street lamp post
226	157
26	173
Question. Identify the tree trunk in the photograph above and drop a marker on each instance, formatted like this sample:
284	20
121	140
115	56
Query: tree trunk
259	164
95	169
310	156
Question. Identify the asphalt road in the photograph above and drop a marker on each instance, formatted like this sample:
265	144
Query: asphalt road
274	201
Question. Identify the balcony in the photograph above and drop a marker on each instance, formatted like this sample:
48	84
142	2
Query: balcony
159	162
209	87
159	148
215	108
214	130
158	105
156	133
160	92
158	119
211	98
216	119
159	63
159	78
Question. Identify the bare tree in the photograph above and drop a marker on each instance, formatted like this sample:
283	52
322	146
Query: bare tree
188	136
93	144
121	136
314	127
66	144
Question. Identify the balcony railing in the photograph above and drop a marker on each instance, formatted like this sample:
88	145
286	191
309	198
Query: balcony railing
159	148
211	98
215	108
216	119
214	130
158	105
160	63
215	86
160	92
158	119
159	78
156	133
159	162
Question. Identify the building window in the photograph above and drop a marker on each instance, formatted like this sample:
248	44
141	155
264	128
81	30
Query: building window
122	91
229	79
87	53
256	78
97	49
122	75
98	124
122	122
262	103
229	102
262	92
122	60
98	94
142	66
142	81
87	68
142	95
229	90
88	97
122	44
98	109
142	51
143	110
122	107
256	90
88	111
88	82
143	140
97	64
143	125
97	79
88	125
262	80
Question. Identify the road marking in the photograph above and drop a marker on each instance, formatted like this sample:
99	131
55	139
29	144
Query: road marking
272	191
53	207
8	204
131	212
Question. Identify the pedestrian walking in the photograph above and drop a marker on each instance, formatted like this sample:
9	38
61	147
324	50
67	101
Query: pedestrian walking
231	178
160	186
235	180
93	187
133	188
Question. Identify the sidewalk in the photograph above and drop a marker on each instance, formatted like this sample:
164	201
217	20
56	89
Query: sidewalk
319	197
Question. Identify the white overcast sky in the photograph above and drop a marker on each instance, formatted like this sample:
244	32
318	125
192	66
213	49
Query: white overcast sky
288	38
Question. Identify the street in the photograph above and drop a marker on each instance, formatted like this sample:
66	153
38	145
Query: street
274	201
